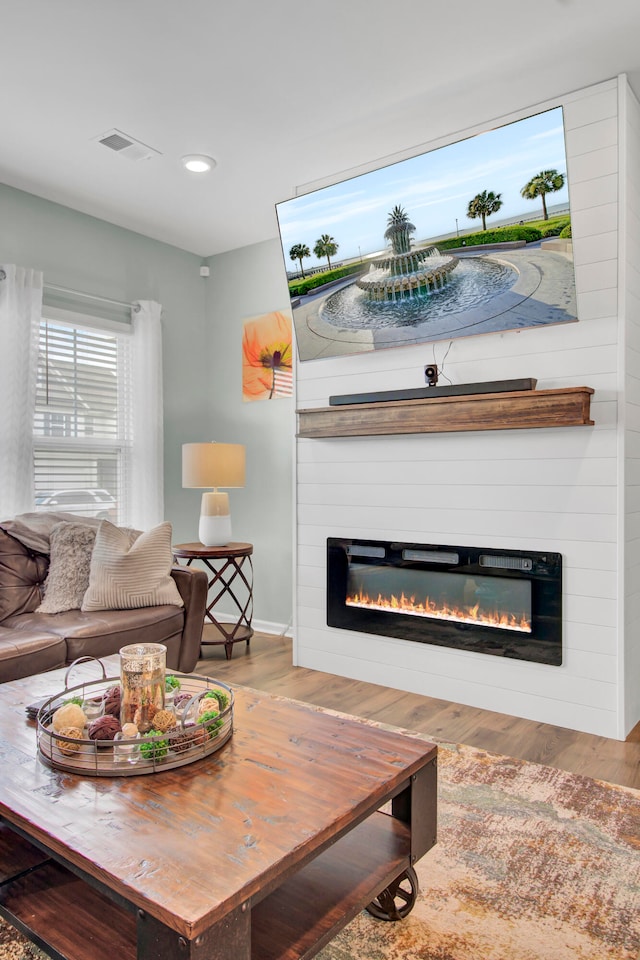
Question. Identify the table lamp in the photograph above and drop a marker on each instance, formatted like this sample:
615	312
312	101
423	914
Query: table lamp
213	465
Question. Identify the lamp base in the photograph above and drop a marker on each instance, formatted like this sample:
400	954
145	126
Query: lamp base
214	531
215	520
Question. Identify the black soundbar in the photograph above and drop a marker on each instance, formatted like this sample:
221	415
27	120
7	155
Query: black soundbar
424	393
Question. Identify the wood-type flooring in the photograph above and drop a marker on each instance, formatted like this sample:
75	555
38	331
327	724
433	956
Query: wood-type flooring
267	665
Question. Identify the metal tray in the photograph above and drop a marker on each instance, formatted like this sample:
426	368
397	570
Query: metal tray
185	744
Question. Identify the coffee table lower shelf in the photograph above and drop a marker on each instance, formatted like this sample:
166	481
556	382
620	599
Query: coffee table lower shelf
73	919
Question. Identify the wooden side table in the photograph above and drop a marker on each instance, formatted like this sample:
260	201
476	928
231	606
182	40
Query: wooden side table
231	571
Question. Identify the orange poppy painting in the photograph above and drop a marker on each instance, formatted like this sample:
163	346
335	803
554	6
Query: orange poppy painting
267	357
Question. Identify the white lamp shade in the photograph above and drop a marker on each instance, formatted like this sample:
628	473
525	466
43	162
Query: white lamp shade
213	465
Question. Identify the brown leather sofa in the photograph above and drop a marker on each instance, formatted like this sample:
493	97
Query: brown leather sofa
33	642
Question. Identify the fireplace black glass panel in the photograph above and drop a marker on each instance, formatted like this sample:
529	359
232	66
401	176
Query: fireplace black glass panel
502	602
431	594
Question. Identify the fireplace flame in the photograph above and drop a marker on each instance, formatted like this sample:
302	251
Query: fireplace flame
428	608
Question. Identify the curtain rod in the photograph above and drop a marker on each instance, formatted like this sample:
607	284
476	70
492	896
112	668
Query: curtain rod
91	296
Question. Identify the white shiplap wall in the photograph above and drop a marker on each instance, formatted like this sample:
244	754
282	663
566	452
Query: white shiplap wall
551	489
629	667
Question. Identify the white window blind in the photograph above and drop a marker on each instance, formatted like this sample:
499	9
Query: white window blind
82	423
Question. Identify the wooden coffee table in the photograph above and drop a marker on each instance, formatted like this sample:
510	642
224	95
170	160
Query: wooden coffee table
263	850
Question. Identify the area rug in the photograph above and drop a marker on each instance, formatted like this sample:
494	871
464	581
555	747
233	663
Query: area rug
532	863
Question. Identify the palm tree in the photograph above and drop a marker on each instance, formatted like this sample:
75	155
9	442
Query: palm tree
326	247
547	181
483	205
297	252
399	230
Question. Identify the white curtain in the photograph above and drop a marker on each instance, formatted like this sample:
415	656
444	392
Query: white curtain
20	310
147	462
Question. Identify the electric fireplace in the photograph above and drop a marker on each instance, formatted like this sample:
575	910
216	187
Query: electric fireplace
507	603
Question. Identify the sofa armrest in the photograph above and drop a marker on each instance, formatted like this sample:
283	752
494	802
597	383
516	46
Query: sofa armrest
192	584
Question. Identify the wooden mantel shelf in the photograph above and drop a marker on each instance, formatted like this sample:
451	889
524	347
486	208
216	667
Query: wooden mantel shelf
522	409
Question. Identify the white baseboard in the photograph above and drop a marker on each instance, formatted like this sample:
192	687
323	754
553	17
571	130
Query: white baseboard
266	626
263	626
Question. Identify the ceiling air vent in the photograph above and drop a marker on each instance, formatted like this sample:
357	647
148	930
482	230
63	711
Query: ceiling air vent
126	146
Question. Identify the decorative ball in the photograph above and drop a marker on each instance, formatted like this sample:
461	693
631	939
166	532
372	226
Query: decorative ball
104	728
129	731
219	697
154	749
181	742
68	749
112	699
164	720
211	721
69	715
190	737
208	705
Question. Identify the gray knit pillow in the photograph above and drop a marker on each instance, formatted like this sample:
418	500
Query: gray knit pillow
71	547
125	576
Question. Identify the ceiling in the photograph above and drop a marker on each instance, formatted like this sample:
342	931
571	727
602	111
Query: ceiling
281	94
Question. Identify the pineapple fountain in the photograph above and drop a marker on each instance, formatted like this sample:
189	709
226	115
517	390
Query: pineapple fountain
405	272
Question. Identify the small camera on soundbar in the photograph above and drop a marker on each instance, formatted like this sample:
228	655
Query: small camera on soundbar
431	374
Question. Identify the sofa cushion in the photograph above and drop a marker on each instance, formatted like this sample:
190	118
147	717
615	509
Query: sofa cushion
103	633
125	576
70	551
34	529
21	574
23	653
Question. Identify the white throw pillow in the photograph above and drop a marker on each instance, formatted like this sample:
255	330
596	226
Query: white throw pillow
124	576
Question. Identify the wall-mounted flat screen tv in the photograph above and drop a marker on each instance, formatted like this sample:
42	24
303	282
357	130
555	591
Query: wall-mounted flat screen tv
473	237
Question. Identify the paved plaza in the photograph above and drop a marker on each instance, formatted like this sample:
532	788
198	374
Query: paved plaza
543	293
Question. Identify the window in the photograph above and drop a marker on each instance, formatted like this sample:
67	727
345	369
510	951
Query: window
82	424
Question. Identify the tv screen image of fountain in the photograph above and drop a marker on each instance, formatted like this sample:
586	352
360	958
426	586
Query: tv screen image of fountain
473	237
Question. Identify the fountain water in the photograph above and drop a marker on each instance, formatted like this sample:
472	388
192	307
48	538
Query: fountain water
405	272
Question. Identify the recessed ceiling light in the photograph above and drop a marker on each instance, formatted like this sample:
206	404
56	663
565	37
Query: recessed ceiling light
198	163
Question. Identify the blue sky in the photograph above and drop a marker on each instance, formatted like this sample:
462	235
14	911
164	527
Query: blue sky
434	189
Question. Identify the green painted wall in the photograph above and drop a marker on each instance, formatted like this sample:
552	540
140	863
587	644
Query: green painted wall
247	283
202	336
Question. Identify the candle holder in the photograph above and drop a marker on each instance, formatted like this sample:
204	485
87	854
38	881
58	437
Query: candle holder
142	678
